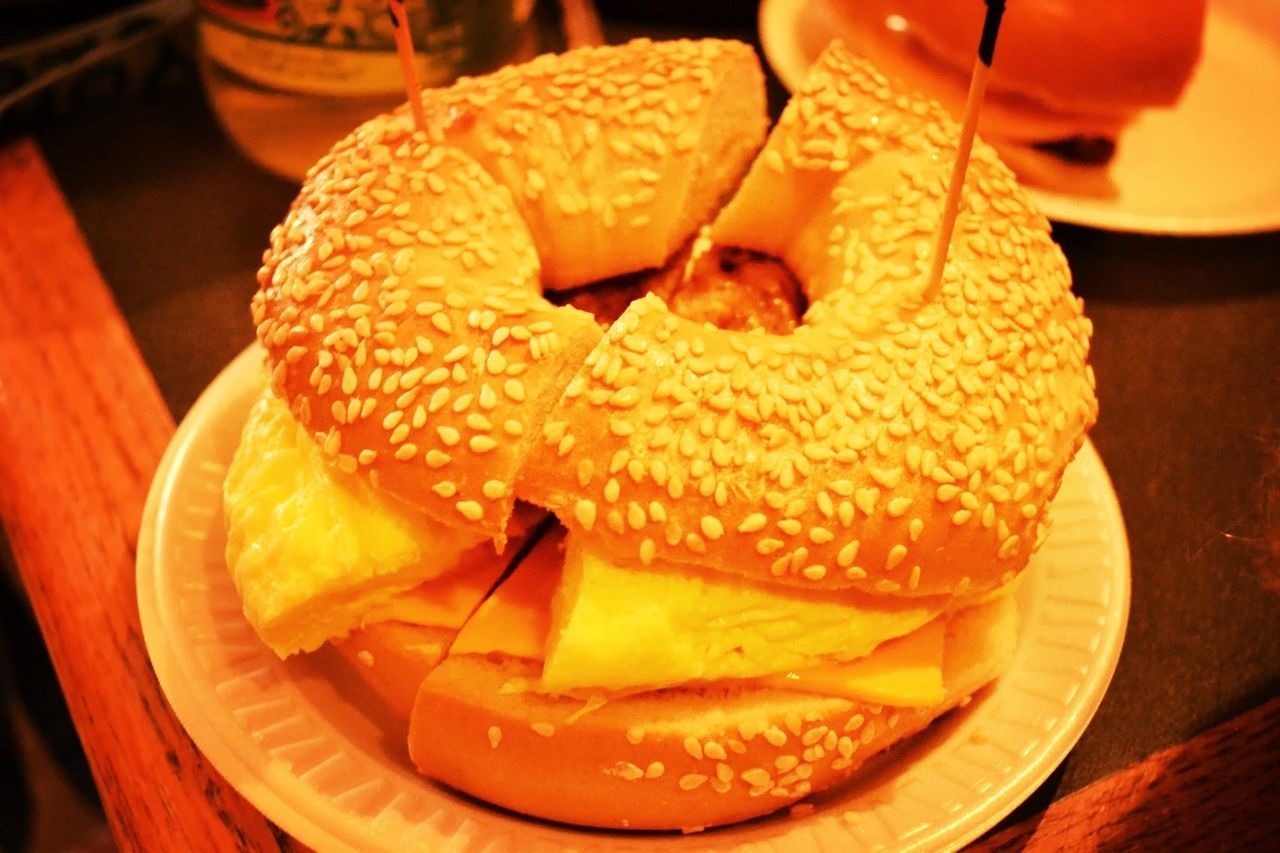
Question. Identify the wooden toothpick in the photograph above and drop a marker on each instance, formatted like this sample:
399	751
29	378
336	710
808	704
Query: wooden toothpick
404	46
977	88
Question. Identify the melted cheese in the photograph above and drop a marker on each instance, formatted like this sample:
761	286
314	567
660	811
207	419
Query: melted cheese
609	628
906	671
615	609
445	602
516	619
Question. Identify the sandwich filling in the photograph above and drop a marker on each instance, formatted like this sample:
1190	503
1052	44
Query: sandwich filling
598	628
317	554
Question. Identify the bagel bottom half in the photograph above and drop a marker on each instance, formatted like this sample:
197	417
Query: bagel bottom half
393	658
397	645
679	758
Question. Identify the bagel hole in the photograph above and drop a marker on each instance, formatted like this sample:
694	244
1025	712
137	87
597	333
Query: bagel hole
728	287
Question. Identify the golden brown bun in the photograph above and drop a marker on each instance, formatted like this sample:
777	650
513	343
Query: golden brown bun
1060	69
404	327
400	301
680	758
394	657
614	155
891	444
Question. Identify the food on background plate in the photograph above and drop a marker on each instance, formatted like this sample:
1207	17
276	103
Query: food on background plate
791	496
1068	76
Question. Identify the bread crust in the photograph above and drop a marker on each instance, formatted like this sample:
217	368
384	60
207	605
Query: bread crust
613	155
394	657
675	759
893	444
679	758
400	300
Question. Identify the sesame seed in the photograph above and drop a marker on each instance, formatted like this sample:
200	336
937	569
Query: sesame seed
624	770
820	535
690	781
895	556
585	512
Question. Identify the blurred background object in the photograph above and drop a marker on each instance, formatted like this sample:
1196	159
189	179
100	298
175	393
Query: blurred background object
718	15
289	77
1068	77
56	58
285	78
1151	118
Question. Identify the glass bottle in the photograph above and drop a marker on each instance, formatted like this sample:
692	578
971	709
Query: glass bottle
288	78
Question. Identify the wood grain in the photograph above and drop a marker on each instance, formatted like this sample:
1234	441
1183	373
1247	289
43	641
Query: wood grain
82	426
1214	792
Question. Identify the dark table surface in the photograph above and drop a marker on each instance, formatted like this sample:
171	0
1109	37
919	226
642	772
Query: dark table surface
1186	351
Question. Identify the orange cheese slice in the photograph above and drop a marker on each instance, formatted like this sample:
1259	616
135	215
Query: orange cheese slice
906	671
447	601
515	620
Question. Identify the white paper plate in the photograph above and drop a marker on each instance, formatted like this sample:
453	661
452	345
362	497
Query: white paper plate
1207	166
304	742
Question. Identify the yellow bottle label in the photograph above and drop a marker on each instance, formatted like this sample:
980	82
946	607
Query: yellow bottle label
346	47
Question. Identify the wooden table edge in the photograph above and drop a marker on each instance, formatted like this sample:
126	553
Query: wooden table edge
83	426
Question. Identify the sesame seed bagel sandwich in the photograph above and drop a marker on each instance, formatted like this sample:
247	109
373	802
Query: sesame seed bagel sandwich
785	536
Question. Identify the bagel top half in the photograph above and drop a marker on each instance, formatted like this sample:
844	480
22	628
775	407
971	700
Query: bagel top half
898	442
400	300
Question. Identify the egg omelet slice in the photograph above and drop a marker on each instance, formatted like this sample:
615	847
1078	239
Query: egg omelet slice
311	550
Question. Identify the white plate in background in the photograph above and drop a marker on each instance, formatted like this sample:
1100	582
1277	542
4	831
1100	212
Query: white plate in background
1208	166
